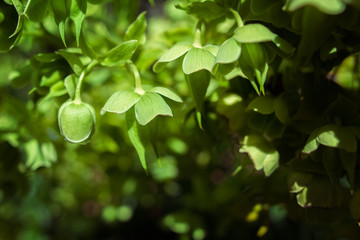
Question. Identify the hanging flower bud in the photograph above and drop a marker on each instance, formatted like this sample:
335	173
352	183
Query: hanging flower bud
76	121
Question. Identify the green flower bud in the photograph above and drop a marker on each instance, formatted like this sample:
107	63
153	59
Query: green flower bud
253	55
76	121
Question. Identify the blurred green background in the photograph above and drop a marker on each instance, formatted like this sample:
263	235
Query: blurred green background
202	187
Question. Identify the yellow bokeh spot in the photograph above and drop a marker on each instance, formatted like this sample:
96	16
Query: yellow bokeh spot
262	231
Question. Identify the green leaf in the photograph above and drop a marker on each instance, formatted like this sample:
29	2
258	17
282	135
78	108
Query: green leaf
35	10
56	90
149	106
331	135
256	33
332	164
48	80
140	139
10	27
320	193
173	53
348	161
312	144
228	52
297	181
262	104
213	49
261	6
20	9
70	84
137	29
281	110
347	74
271	162
73	60
77	15
166	93
198	83
326	6
263	155
121	101
307	165
61	14
39	154
85	48
197	59
336	136
119	54
206	10
76	121
253	33
274	129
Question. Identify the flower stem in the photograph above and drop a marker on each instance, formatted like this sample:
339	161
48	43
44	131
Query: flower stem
237	17
138	85
88	68
197	35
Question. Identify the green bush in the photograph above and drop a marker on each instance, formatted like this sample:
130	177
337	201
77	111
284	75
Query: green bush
222	119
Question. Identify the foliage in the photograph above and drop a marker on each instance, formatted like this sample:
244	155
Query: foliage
244	115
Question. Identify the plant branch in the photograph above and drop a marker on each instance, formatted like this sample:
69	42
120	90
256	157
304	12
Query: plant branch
138	85
88	68
237	17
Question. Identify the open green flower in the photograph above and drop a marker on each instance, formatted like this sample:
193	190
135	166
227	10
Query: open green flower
76	121
147	105
197	66
254	46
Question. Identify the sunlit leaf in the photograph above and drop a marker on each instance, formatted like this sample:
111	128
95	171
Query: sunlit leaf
121	101
256	33
263	155
197	59
166	93
173	53
77	15
213	49
149	106
136	31
228	52
347	74
312	144
119	54
338	137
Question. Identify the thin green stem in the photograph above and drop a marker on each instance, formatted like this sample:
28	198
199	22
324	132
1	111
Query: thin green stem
88	68
237	17
138	85
197	35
